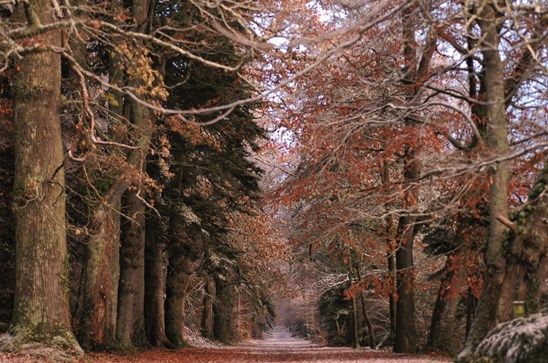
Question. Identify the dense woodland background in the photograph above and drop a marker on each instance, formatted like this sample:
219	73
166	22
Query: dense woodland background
367	173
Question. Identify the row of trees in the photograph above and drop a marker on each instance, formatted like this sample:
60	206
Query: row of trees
422	136
123	200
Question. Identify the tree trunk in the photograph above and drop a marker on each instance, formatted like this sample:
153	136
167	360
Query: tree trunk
365	315
131	321
471	304
355	328
207	315
224	326
41	312
142	116
393	291
496	141
526	263
390	254
130	326
444	335
405	340
97	327
97	310
155	281
178	278
139	329
131	263
355	333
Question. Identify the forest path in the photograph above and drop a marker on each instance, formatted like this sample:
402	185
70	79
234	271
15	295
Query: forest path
277	346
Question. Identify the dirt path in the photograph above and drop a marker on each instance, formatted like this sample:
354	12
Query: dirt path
277	346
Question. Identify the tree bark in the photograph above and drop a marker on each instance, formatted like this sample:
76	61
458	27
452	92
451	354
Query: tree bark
390	255
365	315
355	334
496	142
41	312
131	263
97	327
405	340
130	325
133	249
526	262
178	279
155	284
224	326
207	315
444	335
99	311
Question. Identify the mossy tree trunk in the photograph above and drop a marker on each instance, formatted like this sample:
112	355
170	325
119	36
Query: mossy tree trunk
527	256
41	311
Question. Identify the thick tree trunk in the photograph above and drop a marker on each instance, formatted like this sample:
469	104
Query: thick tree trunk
178	279
496	141
97	310
224	326
526	262
131	320
444	334
97	327
207	314
155	285
131	263
41	315
131	325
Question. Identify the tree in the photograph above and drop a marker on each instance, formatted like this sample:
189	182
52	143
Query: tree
41	310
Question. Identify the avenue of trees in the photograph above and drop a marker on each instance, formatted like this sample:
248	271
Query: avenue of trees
415	193
373	172
122	204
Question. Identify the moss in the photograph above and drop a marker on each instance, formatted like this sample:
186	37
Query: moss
64	280
540	184
532	304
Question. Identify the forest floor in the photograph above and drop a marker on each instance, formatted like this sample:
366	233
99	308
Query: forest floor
277	346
